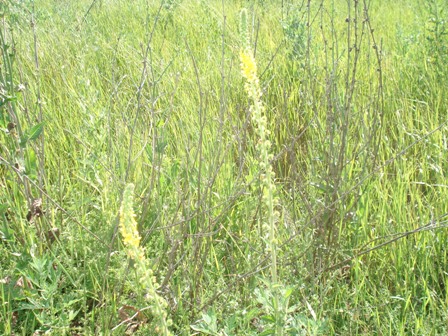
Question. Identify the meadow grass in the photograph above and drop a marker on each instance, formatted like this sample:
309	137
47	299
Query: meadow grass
99	95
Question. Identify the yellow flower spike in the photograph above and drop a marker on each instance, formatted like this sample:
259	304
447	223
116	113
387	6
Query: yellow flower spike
252	87
131	240
128	225
248	66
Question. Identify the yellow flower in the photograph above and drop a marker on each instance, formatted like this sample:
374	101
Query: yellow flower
131	241
128	225
248	66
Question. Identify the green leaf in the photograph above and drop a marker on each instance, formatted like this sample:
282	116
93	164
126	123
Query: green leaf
35	131
288	292
31	164
3	208
31	134
207	319
6	100
202	329
251	314
23	140
268	332
268	318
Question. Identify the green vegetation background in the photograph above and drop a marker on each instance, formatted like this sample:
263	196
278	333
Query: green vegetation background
95	95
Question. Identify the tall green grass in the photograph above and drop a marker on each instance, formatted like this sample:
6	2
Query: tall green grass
99	94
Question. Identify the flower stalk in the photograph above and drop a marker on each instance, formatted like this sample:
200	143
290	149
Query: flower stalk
259	120
145	277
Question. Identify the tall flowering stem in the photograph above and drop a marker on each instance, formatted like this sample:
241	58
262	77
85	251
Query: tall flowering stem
259	120
146	280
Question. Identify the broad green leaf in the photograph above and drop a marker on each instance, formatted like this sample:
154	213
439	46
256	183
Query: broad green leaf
207	318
